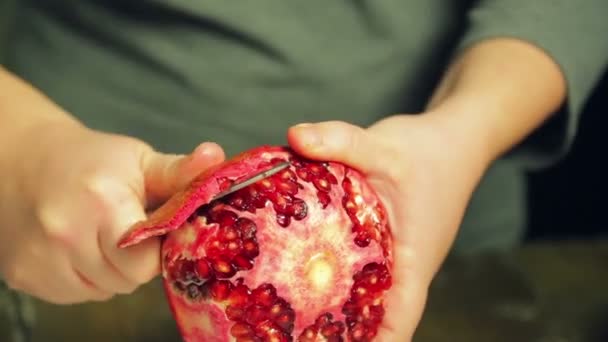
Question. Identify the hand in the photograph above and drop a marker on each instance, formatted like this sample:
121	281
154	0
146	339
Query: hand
70	193
425	178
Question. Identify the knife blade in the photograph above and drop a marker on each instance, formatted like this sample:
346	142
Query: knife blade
253	179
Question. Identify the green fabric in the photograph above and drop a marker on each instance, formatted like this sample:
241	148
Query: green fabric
236	74
240	73
6	16
573	33
17	315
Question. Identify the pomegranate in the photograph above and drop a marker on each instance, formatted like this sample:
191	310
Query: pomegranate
304	255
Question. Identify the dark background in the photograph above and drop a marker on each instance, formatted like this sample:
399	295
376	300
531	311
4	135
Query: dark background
568	200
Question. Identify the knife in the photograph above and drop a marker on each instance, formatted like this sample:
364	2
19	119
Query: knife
264	174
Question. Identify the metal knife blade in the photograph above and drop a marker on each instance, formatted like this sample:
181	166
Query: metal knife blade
251	180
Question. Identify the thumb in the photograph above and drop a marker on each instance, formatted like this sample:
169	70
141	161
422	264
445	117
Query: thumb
336	141
166	174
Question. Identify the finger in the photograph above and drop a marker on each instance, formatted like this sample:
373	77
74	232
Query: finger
165	174
46	272
96	269
66	286
337	141
76	235
123	208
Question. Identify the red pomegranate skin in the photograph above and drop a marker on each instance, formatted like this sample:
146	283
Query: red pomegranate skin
304	255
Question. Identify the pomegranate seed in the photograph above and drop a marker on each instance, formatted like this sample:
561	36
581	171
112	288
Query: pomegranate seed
288	188
227	233
347	185
283	220
279	307
203	269
223	217
270	331
266	185
286	320
215	247
256	314
239	296
282	203
362	239
224	183
304	174
241	262
241	330
324	199
241	200
298	209
349	205
296	161
246	226
358	332
220	290
235	313
324	319
234	246
333	329
222	267
253	192
331	178
264	295
287	175
316	169
359	292
350	308
250	248
376	314
260	202
279	337
321	184
236	201
308	335
335	339
251	338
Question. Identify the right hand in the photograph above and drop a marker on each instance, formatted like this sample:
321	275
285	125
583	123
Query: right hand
67	196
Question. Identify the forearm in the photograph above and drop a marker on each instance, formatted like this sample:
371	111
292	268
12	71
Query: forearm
24	113
496	94
22	105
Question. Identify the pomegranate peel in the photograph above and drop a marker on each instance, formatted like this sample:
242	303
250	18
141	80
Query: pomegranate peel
202	189
303	255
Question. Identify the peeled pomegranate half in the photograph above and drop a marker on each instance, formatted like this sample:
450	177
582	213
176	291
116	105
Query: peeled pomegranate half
304	255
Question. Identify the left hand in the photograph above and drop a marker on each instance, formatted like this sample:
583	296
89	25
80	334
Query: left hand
425	175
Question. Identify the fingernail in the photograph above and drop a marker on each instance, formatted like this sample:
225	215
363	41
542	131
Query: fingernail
308	135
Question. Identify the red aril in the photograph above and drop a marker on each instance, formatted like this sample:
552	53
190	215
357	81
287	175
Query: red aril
304	255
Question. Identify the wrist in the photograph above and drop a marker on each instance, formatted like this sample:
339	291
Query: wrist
439	138
489	99
466	127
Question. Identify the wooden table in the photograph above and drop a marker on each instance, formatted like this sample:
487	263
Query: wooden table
550	292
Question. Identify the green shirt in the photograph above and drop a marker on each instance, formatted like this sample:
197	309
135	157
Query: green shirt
176	73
